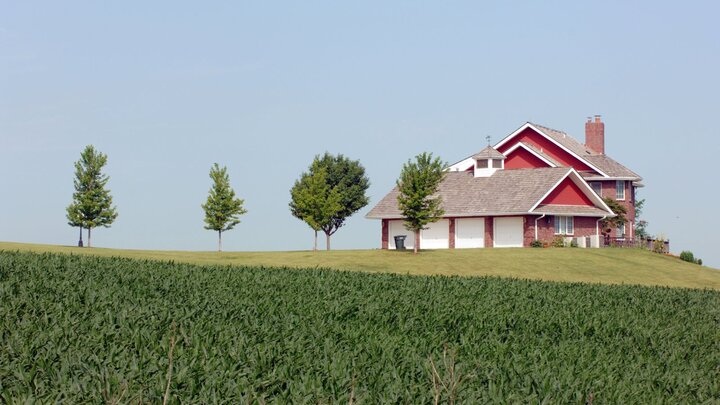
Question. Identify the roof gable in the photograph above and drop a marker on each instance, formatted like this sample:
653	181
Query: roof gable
522	156
547	145
567	193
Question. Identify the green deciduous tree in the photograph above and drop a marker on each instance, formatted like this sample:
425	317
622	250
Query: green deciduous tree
222	208
347	178
313	200
640	224
91	206
613	222
418	182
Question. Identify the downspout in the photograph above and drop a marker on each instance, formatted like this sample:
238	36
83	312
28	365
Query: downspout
597	226
537	219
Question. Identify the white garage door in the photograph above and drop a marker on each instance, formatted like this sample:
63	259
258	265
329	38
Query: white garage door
396	227
470	233
508	232
437	235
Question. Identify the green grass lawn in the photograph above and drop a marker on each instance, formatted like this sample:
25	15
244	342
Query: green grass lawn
607	266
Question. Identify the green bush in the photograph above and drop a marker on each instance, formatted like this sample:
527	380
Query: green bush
699	261
573	243
558	241
81	329
687	256
536	243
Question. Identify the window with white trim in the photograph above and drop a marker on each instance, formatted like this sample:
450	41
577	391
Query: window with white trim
481	164
597	187
564	225
620	231
620	189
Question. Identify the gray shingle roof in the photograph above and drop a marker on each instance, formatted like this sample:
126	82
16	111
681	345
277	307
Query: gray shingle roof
603	162
505	192
489	153
578	210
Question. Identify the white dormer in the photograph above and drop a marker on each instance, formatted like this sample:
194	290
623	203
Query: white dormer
487	161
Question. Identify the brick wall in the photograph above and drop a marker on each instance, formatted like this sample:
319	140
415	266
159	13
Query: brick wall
609	190
584	226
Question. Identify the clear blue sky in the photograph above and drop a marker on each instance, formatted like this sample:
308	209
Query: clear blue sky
168	88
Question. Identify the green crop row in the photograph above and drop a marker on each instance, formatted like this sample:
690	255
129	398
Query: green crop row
87	329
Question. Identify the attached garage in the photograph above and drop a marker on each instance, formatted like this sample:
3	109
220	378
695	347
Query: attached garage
437	235
396	227
469	233
508	232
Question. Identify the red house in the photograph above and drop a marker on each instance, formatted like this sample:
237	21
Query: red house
535	184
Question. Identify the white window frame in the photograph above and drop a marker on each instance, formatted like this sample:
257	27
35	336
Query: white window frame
620	231
620	190
599	187
564	225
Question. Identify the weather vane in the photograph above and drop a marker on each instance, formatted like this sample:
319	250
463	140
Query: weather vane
487	138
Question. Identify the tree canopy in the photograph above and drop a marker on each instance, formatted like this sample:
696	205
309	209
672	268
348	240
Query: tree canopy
313	201
347	178
418	181
91	205
222	208
619	219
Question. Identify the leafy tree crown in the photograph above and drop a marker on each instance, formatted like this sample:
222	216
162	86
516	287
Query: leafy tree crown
222	208
418	182
92	203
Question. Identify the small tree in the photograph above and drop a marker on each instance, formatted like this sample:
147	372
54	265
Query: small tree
92	203
418	182
613	222
222	209
640	224
313	201
347	178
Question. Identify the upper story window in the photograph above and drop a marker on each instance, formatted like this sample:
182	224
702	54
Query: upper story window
497	164
620	189
597	187
564	225
481	164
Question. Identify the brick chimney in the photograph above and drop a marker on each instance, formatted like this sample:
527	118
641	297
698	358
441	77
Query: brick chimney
595	135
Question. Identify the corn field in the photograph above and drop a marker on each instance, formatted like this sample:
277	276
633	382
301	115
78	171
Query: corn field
87	329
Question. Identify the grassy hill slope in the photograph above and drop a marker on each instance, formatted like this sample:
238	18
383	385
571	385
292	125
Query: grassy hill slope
607	266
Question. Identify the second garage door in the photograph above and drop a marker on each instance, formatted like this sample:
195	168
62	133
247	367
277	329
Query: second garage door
469	233
508	232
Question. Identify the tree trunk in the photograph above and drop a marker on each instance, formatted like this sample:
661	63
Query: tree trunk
315	245
327	241
219	241
417	241
89	243
80	242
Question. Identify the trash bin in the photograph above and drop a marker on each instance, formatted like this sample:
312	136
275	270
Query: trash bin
400	242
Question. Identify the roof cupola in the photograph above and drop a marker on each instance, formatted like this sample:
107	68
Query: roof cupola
487	161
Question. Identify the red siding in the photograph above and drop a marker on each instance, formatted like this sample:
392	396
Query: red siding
522	159
567	193
546	146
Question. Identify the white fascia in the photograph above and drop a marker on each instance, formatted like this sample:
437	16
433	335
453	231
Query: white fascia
578	180
531	126
534	153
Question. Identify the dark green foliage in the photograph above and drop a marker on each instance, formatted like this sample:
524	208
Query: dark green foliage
687	256
91	206
618	219
536	243
347	178
640	224
313	201
418	182
77	329
222	208
699	261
